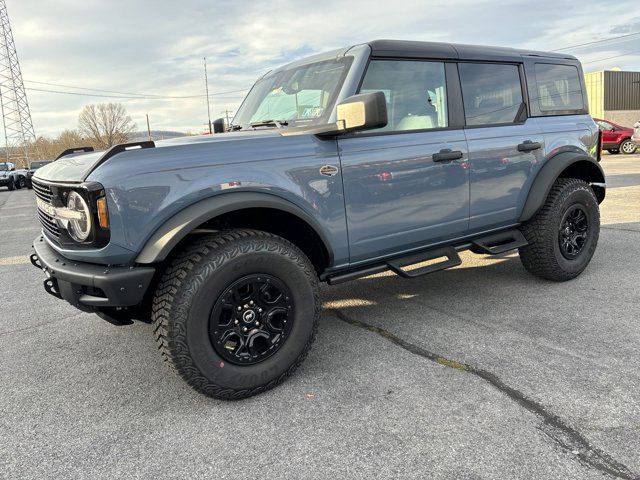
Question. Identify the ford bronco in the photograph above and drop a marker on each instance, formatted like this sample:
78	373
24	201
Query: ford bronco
385	156
9	176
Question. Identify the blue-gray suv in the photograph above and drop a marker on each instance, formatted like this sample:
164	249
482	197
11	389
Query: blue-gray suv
389	155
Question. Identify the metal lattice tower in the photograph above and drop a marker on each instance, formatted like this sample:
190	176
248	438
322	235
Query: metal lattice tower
18	128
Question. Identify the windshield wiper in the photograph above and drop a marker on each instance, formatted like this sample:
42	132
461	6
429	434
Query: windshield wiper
270	123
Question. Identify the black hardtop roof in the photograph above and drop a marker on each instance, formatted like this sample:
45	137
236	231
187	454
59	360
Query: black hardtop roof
414	49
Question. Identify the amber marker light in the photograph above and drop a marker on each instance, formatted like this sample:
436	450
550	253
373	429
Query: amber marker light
103	218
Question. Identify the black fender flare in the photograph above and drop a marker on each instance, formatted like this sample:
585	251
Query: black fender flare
165	238
579	164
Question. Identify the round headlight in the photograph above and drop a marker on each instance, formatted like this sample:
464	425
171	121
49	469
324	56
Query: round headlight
79	229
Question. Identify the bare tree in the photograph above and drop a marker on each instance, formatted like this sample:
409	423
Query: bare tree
105	124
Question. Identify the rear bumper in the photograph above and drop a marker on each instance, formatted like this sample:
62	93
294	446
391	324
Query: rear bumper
87	286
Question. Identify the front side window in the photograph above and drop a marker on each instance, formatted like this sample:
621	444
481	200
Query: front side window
299	96
415	92
559	87
492	93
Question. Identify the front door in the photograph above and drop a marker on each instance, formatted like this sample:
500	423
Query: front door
406	185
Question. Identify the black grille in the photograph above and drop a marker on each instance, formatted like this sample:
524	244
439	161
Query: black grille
44	193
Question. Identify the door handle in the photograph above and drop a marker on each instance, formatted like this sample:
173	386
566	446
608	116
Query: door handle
447	155
528	146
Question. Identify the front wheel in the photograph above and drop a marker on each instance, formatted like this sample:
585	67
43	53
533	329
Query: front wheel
21	183
628	147
563	235
236	312
11	186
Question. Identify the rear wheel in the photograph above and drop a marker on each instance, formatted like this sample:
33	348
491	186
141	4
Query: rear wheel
628	147
563	235
236	312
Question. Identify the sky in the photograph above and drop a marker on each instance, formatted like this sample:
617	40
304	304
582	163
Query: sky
157	47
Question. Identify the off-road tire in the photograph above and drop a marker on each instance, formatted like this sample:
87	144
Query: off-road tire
542	256
628	147
189	288
21	183
613	151
11	186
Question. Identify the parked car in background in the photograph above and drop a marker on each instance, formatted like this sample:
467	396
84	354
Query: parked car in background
9	176
635	138
616	138
31	170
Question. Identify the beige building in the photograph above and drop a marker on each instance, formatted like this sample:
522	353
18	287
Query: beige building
614	95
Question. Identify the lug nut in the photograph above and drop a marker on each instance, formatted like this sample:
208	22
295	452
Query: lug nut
257	323
239	308
236	322
260	310
244	329
251	302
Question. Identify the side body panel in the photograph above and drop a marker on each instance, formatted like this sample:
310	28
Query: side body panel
147	187
499	172
397	197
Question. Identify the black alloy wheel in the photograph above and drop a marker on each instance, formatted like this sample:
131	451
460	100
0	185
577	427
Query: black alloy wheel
573	231
252	319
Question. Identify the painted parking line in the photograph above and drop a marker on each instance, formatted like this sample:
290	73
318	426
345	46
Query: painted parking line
19	260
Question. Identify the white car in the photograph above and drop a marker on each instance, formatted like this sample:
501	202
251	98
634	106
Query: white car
636	133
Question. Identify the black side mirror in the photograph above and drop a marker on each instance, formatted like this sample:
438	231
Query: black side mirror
218	125
365	111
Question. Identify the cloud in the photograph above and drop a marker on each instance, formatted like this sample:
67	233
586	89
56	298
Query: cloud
157	47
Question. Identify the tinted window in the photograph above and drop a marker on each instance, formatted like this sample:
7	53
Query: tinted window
604	125
415	92
559	87
492	93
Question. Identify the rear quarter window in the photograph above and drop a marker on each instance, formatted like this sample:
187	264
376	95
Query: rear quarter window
559	87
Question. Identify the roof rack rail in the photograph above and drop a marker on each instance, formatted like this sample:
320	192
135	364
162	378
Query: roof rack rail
69	151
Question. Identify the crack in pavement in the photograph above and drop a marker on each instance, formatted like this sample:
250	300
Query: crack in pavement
553	426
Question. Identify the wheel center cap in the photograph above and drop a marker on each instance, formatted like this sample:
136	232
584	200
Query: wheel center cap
249	316
567	231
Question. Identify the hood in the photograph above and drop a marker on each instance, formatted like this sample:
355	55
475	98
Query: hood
76	167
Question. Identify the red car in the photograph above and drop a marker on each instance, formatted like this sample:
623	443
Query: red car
616	138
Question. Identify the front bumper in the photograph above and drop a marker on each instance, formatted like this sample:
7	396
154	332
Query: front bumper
4	182
89	286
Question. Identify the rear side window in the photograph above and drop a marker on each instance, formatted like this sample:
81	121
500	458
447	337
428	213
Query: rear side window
492	93
559	87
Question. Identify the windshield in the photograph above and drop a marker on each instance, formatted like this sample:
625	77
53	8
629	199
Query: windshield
3	167
36	165
301	95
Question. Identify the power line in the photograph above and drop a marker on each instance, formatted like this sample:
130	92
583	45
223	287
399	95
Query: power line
127	94
610	58
132	97
596	41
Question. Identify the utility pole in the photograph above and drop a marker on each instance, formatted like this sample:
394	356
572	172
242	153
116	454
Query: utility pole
226	114
206	84
148	127
16	117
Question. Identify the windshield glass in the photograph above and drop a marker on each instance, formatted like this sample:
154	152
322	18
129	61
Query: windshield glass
3	167
36	165
301	95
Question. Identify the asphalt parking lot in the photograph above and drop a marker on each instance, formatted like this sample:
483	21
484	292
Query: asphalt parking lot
482	371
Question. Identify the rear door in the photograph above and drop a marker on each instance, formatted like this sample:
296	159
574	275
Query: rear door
407	185
504	144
